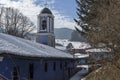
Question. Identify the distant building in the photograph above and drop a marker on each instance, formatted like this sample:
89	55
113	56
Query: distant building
97	53
77	47
25	60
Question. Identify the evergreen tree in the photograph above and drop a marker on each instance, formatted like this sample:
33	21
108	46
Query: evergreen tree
75	36
69	46
83	10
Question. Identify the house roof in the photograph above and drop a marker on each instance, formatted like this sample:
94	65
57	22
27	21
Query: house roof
80	45
21	47
79	55
97	50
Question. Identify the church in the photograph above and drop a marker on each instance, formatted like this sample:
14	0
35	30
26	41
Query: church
22	59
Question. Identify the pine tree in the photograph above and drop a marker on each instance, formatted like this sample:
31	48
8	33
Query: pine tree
83	10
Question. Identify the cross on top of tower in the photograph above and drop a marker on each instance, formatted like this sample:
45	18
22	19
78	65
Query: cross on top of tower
46	4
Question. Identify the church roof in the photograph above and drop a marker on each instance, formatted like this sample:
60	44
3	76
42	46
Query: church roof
46	11
20	47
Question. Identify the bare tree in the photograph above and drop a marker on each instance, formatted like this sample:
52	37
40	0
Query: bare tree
103	18
106	25
103	21
15	23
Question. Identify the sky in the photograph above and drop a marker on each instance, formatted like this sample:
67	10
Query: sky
63	10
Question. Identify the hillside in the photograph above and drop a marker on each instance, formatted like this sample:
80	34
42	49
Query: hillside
76	36
63	33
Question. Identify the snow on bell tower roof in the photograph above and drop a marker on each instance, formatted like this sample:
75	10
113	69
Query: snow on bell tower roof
46	11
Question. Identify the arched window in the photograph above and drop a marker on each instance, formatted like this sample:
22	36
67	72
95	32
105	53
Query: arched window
15	73
44	25
46	67
61	65
65	64
31	71
54	66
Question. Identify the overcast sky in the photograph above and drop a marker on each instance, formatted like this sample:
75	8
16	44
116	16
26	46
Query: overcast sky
63	10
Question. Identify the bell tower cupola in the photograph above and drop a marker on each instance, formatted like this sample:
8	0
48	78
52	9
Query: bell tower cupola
45	27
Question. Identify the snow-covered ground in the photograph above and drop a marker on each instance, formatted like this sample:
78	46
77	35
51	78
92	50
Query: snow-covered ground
79	75
84	66
76	44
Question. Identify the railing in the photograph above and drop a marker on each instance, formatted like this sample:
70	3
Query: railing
3	77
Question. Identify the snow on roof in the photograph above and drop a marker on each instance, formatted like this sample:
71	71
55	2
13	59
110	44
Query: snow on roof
61	48
63	42
83	66
21	47
78	55
97	50
80	45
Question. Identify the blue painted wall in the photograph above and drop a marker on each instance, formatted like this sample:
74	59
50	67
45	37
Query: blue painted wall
6	68
43	39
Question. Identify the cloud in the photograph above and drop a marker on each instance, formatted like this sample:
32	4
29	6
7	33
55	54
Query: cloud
31	8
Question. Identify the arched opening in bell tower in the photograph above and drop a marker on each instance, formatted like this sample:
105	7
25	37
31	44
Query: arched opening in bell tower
44	25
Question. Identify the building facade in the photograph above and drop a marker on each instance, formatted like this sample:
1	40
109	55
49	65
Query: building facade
45	28
25	60
35	69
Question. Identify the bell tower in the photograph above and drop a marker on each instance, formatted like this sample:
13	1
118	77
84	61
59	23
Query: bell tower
45	28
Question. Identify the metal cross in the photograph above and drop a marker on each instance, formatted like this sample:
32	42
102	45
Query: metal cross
46	4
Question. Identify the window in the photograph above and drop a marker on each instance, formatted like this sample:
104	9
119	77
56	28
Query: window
54	66
31	71
65	64
61	65
46	67
44	24
15	73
